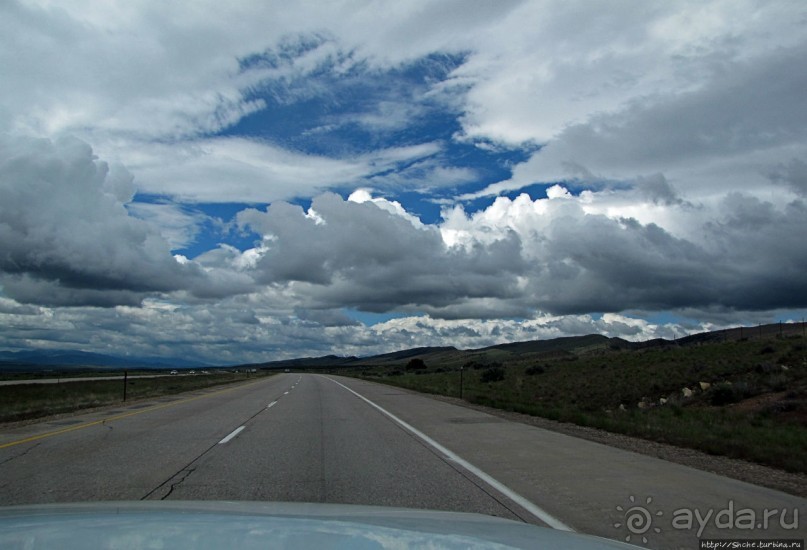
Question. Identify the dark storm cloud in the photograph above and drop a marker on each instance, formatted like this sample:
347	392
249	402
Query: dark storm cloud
767	258
749	258
595	263
65	236
358	254
33	290
793	175
67	240
657	189
745	255
326	318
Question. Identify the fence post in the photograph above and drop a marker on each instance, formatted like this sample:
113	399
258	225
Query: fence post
125	383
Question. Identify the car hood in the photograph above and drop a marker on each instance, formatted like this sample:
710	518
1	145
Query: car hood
216	524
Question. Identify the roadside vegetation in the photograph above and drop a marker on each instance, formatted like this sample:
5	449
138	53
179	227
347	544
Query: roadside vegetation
743	398
27	401
10	374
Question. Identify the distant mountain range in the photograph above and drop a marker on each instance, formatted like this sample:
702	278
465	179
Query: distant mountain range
533	350
447	356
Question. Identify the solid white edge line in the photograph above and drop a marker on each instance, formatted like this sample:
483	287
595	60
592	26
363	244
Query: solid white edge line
272	404
512	495
234	433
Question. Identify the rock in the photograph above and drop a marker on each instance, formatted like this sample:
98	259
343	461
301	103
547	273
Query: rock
704	385
687	392
642	405
662	401
622	407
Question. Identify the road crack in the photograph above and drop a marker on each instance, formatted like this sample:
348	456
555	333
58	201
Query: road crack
186	473
188	469
22	454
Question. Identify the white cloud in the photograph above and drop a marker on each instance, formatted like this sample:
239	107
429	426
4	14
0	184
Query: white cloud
550	65
731	130
251	329
126	75
67	238
684	121
424	176
466	334
178	225
563	254
64	227
361	195
237	169
372	254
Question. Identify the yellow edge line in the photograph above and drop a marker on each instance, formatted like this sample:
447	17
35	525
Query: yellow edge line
118	417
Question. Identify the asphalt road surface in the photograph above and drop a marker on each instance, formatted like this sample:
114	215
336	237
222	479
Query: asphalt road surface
312	438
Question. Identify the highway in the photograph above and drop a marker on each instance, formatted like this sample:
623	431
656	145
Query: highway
315	438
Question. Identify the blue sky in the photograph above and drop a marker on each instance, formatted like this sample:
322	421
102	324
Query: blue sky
251	182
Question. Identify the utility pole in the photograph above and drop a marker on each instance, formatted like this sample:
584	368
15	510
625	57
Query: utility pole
125	383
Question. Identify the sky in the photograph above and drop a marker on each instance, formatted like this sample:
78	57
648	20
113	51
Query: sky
250	181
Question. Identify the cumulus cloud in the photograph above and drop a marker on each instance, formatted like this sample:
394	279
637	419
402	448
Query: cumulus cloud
66	236
583	259
521	269
565	255
63	222
373	257
671	136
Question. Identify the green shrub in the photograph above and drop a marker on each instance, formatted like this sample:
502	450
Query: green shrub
777	382
726	393
494	374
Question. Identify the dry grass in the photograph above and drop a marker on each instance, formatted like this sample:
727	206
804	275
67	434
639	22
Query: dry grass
26	401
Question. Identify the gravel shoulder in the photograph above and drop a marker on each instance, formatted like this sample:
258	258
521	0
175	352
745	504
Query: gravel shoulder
765	476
